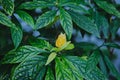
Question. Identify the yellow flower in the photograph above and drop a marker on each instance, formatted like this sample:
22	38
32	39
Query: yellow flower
61	40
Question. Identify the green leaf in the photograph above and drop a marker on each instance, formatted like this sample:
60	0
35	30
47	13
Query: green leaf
114	28
31	69
45	0
66	22
108	7
96	74
21	54
16	36
85	23
114	45
34	5
111	67
26	17
69	47
40	43
103	24
102	66
45	19
49	75
6	21
76	7
93	61
51	57
66	71
8	6
80	65
72	1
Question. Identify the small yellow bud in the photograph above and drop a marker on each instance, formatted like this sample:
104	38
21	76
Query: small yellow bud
61	40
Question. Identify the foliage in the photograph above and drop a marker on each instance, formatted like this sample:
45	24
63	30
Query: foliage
25	56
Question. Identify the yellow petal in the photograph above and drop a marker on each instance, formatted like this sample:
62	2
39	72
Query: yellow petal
61	40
